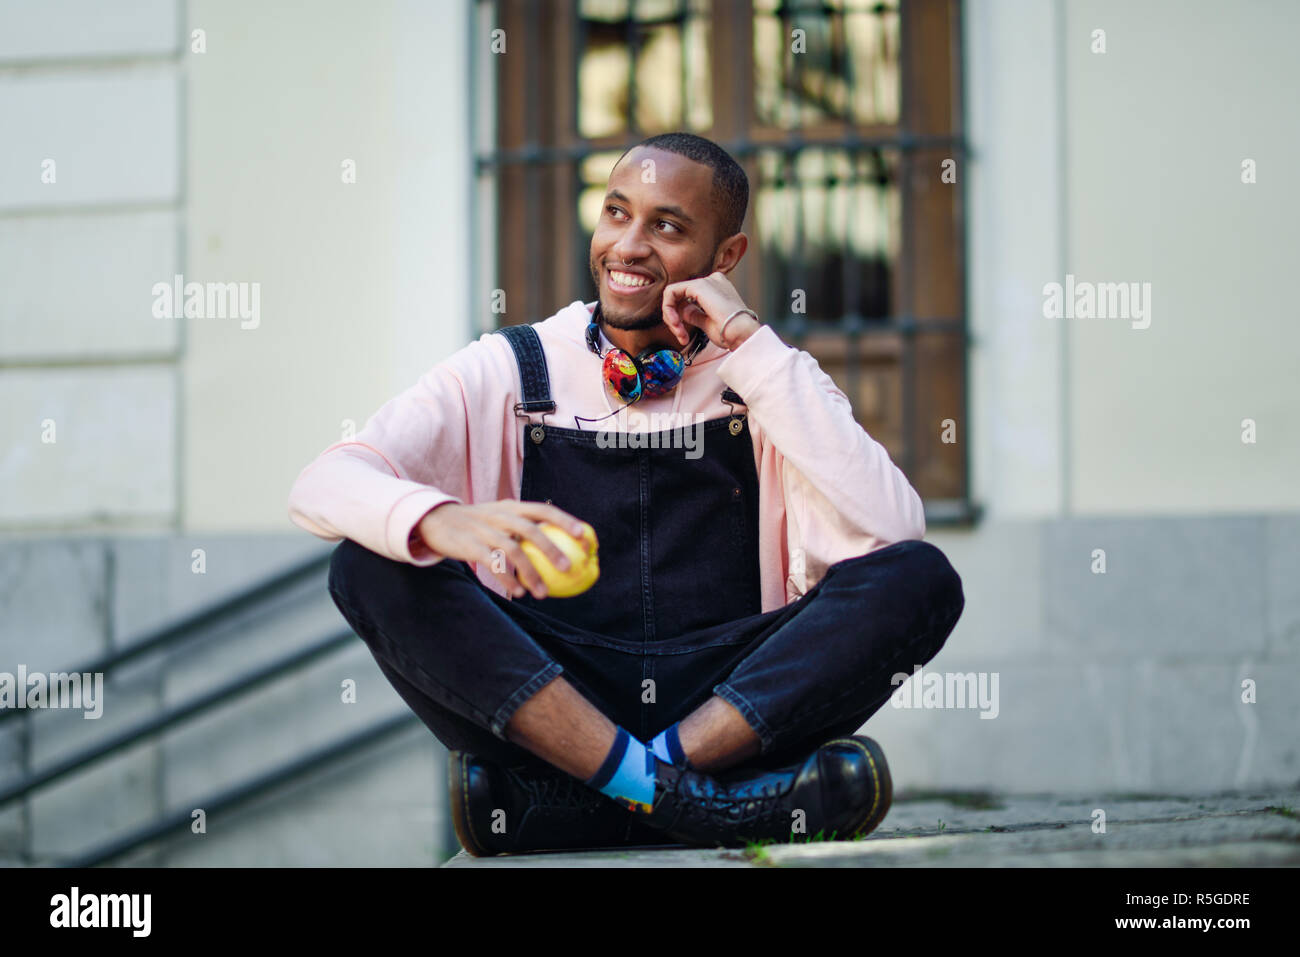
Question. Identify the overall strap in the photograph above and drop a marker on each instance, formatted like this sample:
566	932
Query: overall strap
532	368
729	395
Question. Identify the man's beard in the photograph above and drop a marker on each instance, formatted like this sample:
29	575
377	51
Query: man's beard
648	321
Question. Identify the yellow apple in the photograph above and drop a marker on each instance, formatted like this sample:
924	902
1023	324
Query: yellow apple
583	568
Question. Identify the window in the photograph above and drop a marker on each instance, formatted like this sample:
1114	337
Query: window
846	115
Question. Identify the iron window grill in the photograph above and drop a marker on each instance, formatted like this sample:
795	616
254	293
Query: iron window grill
847	116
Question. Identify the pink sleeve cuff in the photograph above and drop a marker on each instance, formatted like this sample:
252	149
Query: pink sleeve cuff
405	518
747	366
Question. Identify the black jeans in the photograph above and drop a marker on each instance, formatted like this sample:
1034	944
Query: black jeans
464	658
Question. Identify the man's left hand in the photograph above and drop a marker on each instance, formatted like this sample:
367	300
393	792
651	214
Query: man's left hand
706	303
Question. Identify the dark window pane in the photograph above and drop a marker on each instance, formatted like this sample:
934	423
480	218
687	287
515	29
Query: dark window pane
828	223
648	60
825	61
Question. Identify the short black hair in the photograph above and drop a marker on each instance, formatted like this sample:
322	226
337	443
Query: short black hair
730	184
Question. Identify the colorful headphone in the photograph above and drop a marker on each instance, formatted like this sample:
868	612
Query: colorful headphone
653	373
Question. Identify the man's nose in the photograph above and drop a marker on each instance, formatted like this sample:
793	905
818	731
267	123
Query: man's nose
631	246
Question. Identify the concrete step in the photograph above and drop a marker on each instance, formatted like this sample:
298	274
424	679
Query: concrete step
1237	829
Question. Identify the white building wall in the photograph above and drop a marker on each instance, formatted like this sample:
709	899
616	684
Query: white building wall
364	285
90	205
223	166
1014	240
1093	436
1157	129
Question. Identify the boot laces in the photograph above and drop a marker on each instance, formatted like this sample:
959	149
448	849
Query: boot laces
557	790
759	805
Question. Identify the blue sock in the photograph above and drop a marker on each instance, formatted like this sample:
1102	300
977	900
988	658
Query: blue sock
628	773
667	746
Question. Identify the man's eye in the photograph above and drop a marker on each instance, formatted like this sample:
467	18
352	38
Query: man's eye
616	212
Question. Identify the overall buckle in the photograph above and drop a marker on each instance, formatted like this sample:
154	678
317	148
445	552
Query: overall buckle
737	418
538	430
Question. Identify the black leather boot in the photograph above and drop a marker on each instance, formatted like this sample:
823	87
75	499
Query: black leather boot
513	810
841	791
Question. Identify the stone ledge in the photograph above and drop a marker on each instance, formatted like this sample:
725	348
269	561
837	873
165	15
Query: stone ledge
1251	829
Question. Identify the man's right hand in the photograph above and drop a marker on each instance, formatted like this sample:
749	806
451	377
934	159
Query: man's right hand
475	533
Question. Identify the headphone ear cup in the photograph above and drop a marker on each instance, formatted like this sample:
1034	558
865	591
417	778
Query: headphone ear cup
661	370
622	375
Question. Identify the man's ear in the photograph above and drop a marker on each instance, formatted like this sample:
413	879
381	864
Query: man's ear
730	253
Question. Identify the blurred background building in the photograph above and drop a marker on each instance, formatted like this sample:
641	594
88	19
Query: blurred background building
921	171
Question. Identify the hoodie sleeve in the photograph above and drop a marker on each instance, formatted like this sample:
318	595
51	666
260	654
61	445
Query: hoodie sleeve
846	497
412	456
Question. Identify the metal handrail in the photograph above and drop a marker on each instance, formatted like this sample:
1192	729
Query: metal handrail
240	793
237	686
171	632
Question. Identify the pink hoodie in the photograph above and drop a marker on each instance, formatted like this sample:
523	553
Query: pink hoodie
827	490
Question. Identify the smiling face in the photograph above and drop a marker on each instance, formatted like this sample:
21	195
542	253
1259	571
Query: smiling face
666	230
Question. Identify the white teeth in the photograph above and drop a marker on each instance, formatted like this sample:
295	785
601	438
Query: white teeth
629	279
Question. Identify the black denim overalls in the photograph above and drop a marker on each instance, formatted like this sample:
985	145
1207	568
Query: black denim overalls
678	551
